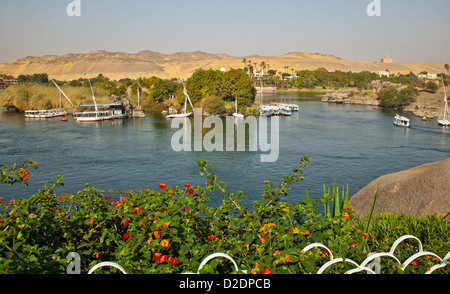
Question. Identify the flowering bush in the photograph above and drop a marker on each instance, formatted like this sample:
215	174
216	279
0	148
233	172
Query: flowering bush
172	229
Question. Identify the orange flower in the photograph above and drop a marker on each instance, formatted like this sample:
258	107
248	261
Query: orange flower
277	252
346	215
414	262
266	271
263	239
306	233
287	258
150	239
157	233
163	258
266	181
166	225
170	192
162	186
296	231
136	210
365	235
97	255
157	256
302	178
91	221
164	243
24	178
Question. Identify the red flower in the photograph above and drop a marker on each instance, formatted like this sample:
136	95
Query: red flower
365	235
173	261
162	186
191	191
266	271
212	237
157	256
125	222
187	185
414	262
157	233
126	235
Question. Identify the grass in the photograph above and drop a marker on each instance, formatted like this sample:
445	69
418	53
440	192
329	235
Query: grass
46	96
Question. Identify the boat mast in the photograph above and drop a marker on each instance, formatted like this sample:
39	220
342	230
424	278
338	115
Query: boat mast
445	100
93	96
186	96
139	86
62	92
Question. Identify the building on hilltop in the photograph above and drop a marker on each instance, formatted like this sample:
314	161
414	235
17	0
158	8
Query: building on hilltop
386	59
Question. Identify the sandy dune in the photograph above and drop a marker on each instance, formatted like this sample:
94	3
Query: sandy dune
117	65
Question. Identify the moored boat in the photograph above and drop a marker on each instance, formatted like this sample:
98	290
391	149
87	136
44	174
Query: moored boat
401	121
185	113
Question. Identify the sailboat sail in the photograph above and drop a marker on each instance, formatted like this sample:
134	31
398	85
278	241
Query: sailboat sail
445	120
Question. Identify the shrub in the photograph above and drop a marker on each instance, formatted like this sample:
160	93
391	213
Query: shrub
172	229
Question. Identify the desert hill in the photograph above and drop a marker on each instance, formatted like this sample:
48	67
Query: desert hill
117	65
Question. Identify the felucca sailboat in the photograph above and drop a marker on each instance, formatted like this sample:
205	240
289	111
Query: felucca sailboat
445	120
186	99
93	116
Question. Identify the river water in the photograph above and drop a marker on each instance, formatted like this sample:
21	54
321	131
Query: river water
351	144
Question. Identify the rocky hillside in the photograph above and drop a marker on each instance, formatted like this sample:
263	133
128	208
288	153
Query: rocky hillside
117	65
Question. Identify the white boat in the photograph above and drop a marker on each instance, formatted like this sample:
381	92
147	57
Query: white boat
267	110
93	116
445	120
291	107
284	109
185	113
401	121
39	114
237	114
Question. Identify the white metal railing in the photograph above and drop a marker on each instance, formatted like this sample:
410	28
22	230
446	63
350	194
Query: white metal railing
372	261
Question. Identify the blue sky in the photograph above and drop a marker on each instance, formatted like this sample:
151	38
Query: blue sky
408	30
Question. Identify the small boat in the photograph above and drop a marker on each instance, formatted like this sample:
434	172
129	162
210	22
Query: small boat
93	116
284	110
445	120
185	113
237	114
266	110
64	119
401	121
39	114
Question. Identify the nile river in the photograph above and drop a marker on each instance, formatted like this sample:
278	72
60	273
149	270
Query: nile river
352	144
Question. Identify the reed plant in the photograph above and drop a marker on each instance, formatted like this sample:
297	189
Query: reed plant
46	96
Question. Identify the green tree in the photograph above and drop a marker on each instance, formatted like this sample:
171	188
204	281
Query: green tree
431	86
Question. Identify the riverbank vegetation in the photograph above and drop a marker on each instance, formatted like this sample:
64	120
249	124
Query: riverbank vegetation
36	92
169	230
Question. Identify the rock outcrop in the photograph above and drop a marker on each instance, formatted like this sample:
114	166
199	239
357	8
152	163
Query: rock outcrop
420	191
